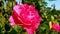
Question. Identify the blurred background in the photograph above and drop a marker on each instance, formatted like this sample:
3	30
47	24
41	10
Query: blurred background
49	10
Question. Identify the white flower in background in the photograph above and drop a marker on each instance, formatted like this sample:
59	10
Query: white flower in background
19	1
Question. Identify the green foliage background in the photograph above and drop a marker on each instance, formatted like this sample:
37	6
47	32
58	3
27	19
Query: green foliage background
48	15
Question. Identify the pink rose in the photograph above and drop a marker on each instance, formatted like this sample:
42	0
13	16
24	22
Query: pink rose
26	16
56	27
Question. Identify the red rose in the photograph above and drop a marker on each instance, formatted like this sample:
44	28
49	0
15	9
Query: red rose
26	16
56	27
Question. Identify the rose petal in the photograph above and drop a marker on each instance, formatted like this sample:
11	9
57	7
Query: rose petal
12	23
